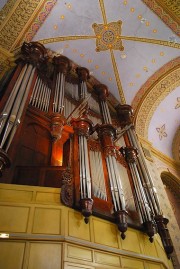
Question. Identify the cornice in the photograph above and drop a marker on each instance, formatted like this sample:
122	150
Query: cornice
165	159
158	154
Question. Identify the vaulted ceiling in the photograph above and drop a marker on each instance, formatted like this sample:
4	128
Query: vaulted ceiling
131	46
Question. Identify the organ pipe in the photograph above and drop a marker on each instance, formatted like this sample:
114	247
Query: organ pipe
62	67
83	76
12	112
102	92
145	183
83	128
107	134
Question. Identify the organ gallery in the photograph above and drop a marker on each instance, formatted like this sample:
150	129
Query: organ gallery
60	128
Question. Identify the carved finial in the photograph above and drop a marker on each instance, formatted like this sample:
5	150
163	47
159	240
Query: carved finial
83	73
102	91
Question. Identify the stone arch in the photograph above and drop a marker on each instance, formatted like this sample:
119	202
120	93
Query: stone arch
151	94
172	187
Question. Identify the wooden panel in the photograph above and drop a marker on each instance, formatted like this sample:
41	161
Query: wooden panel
44	256
107	259
46	221
48	197
11	256
77	226
15	195
79	253
13	218
149	248
132	241
77	266
105	233
152	266
132	263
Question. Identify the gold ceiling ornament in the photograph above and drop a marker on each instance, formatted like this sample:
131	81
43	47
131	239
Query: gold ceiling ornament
108	36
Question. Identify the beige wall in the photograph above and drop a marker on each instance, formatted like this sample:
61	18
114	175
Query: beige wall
43	234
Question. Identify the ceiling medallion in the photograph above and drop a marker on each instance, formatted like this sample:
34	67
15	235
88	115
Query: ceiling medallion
108	36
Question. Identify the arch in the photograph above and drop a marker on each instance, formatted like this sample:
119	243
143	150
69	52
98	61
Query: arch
172	187
158	86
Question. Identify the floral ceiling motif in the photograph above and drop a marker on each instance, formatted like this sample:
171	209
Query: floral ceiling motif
162	131
108	36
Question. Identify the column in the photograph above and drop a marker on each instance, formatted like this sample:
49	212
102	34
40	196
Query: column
83	128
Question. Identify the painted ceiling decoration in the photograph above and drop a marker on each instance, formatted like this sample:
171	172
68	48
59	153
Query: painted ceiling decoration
131	46
168	11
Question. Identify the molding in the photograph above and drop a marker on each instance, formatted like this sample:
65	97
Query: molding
167	11
80	242
152	41
165	159
131	38
118	81
158	154
103	11
64	38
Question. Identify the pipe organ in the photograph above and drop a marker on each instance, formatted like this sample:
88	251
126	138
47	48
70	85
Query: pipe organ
57	130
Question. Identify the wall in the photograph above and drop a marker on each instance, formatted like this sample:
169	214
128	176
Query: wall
44	234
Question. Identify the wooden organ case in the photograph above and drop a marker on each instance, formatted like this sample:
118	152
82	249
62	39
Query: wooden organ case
57	130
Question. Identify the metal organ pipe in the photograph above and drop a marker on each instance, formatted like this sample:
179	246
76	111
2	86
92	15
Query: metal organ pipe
15	108
145	191
11	99
147	177
107	135
62	66
83	127
40	96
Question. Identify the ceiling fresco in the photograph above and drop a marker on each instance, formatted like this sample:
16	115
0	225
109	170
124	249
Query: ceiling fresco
122	43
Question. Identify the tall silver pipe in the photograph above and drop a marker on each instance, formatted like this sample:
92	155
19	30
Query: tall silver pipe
112	184
118	179
150	189
34	90
10	101
20	111
88	178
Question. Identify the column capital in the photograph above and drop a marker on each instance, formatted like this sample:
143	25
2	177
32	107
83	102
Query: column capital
34	53
62	64
125	114
83	73
130	154
102	91
82	126
57	123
